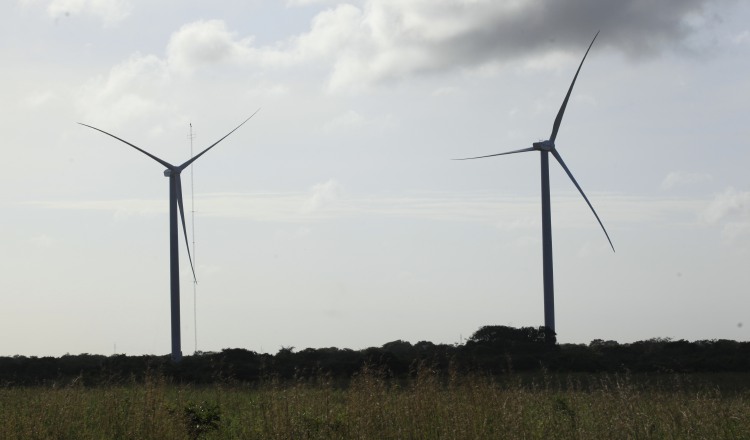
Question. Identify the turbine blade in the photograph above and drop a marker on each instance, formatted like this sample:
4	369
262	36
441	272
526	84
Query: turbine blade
562	163
178	182
498	154
194	158
163	162
560	113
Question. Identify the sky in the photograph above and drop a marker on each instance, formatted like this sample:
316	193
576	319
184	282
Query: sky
335	216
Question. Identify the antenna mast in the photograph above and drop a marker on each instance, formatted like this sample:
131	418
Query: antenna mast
192	227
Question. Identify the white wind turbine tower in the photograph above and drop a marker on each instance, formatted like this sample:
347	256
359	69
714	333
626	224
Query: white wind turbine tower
545	148
175	206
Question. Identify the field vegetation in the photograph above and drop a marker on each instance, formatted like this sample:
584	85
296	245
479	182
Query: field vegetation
373	406
502	384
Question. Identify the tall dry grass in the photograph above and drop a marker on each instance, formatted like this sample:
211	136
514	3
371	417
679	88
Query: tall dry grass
371	406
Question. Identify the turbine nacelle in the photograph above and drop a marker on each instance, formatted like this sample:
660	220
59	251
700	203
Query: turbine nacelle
169	172
547	145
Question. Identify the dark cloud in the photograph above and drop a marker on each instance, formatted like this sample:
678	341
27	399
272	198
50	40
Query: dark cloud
398	38
637	28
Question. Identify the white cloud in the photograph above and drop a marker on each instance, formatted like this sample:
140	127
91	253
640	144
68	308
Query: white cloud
731	205
39	99
42	241
445	91
346	121
731	210
134	89
145	87
742	38
292	3
109	11
676	179
332	34
322	195
734	230
120	208
527	218
204	43
335	33
327	200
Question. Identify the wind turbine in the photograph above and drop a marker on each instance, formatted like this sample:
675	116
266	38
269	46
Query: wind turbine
175	204
545	148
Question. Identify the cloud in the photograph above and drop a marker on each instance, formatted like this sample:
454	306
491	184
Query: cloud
327	200
120	208
741	38
730	209
210	42
322	195
42	241
728	206
734	230
110	12
389	40
145	87
677	179
393	39
137	88
346	121
292	3
205	42
334	36
39	99
445	91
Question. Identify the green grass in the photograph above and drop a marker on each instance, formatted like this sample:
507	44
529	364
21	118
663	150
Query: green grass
372	407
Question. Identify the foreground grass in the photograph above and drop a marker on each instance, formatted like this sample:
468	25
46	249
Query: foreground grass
371	407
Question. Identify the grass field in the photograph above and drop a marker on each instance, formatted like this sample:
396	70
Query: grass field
372	407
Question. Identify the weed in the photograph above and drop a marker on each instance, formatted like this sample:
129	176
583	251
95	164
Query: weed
201	418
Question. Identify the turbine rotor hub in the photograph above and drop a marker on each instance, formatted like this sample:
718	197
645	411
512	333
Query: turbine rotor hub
547	145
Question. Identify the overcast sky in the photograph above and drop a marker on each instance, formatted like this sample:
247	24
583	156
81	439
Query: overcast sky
335	216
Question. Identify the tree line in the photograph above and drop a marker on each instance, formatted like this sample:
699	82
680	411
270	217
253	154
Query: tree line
492	350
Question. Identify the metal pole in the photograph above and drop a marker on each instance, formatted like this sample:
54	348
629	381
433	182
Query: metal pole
549	287
195	258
